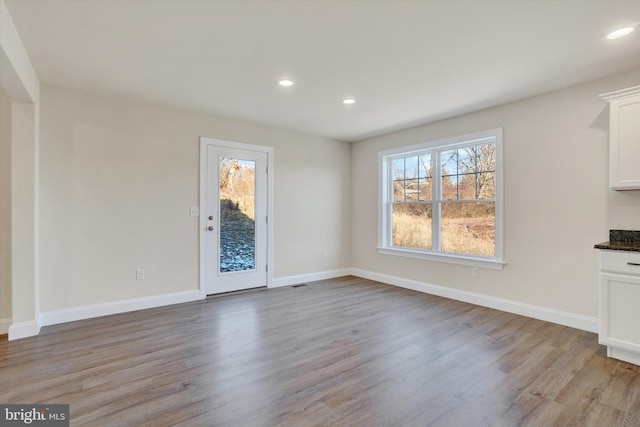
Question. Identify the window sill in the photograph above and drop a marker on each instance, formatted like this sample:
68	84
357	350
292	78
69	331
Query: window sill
447	258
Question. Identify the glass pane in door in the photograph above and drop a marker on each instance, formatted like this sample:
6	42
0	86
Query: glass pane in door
237	211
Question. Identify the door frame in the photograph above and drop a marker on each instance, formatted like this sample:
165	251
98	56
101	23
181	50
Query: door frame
205	143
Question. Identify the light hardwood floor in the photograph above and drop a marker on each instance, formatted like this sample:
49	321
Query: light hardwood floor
341	352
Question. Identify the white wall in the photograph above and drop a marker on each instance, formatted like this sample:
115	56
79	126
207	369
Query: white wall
17	75
24	220
20	82
557	201
5	212
117	181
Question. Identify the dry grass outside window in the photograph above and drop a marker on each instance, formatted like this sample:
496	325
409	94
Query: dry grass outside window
467	236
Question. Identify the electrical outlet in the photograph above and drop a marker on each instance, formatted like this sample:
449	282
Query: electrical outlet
475	272
194	211
140	274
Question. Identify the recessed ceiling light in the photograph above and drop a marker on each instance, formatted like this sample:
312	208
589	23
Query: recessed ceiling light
285	82
348	101
620	33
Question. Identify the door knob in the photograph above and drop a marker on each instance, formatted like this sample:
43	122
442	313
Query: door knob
210	228
210	217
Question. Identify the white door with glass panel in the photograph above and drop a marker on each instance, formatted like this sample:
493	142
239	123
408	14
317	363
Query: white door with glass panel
235	218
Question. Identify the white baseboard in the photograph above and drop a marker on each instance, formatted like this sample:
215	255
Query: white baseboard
564	318
4	325
24	329
310	277
105	309
622	354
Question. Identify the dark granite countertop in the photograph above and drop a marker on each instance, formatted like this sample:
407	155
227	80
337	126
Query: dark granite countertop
622	240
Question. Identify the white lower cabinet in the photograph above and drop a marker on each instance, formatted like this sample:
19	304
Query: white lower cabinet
620	304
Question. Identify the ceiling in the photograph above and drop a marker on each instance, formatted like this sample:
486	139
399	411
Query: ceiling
405	62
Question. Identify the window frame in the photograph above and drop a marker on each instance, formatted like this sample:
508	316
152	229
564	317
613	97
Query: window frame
385	199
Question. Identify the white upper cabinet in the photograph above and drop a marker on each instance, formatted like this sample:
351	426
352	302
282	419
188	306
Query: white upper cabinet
624	138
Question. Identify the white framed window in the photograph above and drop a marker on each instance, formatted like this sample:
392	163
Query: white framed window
443	200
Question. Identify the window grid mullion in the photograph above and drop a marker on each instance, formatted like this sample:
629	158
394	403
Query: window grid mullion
388	232
436	195
404	179
458	174
477	176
